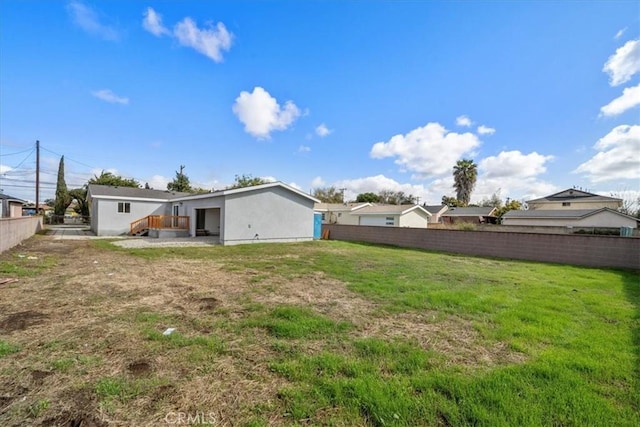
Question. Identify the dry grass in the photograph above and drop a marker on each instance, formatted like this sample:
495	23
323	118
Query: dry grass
91	351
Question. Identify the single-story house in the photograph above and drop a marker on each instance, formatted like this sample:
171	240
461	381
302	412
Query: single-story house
393	216
577	218
272	212
339	213
11	206
572	198
436	212
472	215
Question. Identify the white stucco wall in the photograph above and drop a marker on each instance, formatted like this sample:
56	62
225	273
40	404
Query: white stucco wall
602	219
416	218
378	220
268	215
114	223
574	205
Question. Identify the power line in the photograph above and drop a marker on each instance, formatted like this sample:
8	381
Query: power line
25	159
17	152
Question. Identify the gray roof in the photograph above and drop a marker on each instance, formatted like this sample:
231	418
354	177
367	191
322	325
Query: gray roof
130	192
338	206
559	213
8	197
389	209
435	208
471	211
572	194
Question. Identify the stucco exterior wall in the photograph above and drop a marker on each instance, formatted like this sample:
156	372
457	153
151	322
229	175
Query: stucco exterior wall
268	215
190	206
15	230
574	205
114	223
340	217
415	218
378	220
602	220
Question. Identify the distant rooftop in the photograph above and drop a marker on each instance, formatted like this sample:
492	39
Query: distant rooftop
131	192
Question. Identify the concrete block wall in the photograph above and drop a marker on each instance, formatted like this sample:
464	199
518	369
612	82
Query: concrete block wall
15	230
585	250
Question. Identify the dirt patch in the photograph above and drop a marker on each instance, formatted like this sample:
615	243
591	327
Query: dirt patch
21	321
139	368
71	419
208	304
37	377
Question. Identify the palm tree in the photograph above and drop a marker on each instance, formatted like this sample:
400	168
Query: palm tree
465	173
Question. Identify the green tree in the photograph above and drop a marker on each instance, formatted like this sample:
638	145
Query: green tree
108	178
493	202
510	205
368	198
63	199
390	197
180	183
247	181
329	195
452	202
80	196
465	173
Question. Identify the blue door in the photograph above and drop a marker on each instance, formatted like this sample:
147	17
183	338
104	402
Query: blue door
317	225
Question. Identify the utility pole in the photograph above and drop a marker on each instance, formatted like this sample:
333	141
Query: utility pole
342	190
37	177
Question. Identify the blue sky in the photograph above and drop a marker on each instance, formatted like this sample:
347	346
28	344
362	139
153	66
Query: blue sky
361	95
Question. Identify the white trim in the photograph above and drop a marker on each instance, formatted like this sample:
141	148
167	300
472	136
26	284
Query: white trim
246	189
136	199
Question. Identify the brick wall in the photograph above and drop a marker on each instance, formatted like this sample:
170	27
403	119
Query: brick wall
593	251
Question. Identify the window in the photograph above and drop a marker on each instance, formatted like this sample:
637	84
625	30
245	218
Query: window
339	214
566	203
323	217
389	220
124	207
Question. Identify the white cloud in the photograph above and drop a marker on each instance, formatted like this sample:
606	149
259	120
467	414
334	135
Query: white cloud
430	150
322	130
620	33
108	96
318	182
513	164
158	182
486	130
375	184
463	121
211	41
296	186
87	19
630	98
152	22
623	64
261	114
617	156
303	149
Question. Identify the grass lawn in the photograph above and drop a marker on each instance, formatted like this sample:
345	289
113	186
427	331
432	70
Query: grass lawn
319	333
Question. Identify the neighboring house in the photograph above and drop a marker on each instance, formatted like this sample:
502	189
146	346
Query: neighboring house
11	206
574	199
339	213
269	212
471	215
572	208
393	216
436	212
575	218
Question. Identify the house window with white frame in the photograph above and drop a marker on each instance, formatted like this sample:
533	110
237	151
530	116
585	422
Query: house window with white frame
124	207
389	220
565	204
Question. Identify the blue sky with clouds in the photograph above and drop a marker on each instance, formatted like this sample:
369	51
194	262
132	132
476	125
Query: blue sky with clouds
361	95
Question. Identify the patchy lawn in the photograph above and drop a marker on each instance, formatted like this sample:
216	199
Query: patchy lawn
325	333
